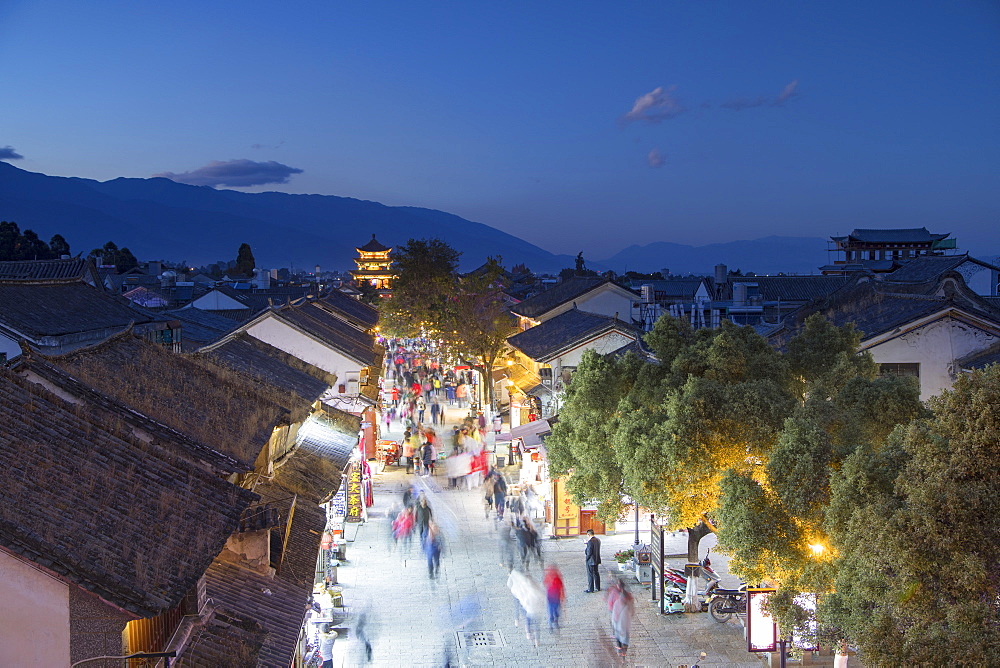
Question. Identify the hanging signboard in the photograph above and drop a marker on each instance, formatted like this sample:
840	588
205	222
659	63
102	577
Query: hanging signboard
355	502
762	630
338	504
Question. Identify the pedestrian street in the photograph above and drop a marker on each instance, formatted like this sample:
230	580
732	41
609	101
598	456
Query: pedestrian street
466	616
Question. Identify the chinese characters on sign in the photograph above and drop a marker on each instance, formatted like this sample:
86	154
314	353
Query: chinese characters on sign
338	504
355	504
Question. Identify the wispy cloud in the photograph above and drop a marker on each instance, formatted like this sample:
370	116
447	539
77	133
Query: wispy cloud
235	174
655	158
657	105
786	94
8	153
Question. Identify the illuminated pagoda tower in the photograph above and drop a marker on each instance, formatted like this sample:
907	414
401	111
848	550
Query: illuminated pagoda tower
374	266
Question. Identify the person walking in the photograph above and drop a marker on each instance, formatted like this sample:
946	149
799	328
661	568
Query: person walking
432	549
622	607
592	555
531	602
499	493
421	408
555	592
435	412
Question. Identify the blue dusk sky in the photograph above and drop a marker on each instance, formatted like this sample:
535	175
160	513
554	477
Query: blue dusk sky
574	125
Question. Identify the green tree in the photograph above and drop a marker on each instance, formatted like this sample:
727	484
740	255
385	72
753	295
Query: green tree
479	321
427	279
772	519
121	258
245	262
59	246
917	526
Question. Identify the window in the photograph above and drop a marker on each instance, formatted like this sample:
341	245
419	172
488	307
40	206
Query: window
910	369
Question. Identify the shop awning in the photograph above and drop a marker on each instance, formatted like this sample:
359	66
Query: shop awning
531	433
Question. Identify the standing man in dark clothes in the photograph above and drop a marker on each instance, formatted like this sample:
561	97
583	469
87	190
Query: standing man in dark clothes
593	561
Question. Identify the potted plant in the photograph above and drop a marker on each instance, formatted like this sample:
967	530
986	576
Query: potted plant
624	558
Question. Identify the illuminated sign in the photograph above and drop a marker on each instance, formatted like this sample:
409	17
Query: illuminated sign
762	630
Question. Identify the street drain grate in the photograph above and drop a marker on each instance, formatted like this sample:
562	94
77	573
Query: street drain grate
480	639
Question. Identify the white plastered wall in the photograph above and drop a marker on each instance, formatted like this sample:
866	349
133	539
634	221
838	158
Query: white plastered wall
935	346
34	616
307	349
607	301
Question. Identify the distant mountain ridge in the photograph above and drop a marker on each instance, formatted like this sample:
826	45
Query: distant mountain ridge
158	218
770	255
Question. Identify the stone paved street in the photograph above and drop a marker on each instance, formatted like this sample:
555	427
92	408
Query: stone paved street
412	621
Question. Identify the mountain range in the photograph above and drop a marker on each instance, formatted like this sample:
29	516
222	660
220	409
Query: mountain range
157	218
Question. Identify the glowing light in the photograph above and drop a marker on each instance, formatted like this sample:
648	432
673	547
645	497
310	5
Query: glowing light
817	548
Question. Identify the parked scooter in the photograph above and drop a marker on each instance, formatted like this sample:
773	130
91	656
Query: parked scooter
677	577
724	603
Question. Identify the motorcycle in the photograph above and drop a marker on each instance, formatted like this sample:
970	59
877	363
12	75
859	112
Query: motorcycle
724	603
674	577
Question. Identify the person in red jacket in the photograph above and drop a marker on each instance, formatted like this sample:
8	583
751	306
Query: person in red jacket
555	592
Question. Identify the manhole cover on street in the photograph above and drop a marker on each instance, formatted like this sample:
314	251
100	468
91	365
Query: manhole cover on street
480	639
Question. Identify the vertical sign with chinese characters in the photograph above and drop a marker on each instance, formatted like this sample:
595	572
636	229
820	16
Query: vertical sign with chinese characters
338	504
355	503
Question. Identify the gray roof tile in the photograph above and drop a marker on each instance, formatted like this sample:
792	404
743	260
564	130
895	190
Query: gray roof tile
125	519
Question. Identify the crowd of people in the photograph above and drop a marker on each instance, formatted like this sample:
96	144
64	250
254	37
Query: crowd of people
418	388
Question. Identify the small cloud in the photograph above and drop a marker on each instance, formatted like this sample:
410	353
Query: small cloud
234	174
655	158
655	106
739	104
786	94
8	153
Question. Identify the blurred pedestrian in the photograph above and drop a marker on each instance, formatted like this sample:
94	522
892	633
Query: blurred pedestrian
422	515
531	602
555	593
505	537
622	607
432	549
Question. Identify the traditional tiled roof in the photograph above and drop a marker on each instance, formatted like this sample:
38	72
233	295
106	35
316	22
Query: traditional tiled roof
266	364
981	359
673	289
76	268
929	267
270	617
876	307
123	518
565	330
222	639
909	235
561	293
190	394
40	370
861	265
201	327
373	246
792	288
36	309
146	297
354	311
323	450
330	329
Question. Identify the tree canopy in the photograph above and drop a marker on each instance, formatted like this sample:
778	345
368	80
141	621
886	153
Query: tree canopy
916	523
724	431
109	254
245	262
17	245
426	280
